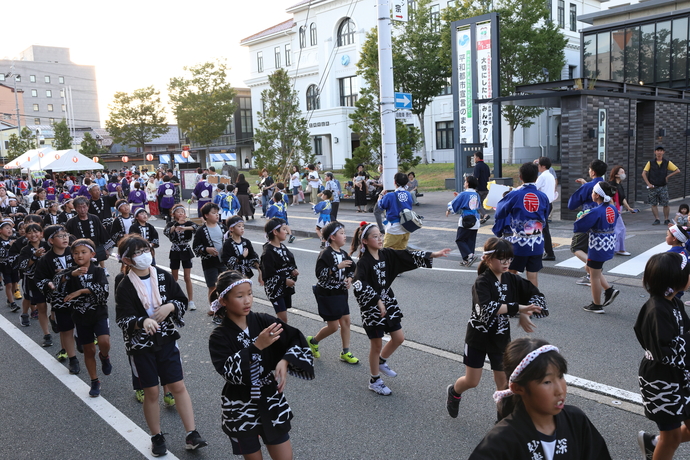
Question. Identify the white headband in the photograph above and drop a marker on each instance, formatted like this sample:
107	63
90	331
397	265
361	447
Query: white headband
599	191
140	210
215	305
337	229
93	185
678	233
85	244
239	222
121	205
521	367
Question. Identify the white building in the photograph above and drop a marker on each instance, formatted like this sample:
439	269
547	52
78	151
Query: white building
319	47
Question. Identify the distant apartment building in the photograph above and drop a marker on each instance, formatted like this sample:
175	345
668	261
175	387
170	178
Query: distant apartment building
53	86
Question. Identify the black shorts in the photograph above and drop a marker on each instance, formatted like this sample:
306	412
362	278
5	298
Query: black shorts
580	242
101	254
9	275
530	263
250	444
377	332
282	303
211	275
63	318
332	307
86	334
175	265
475	359
165	364
35	295
595	264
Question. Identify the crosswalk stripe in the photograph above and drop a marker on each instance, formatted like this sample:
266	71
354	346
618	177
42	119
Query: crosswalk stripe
636	265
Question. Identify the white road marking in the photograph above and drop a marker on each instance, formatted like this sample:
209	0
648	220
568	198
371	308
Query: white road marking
129	430
573	262
636	265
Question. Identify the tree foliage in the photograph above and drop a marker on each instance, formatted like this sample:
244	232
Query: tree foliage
203	101
282	136
18	145
89	147
63	138
136	118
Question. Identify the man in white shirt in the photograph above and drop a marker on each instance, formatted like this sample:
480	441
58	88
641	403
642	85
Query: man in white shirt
546	183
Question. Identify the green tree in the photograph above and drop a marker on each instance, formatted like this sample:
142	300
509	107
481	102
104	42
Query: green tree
89	147
136	118
282	136
18	145
530	43
63	138
203	102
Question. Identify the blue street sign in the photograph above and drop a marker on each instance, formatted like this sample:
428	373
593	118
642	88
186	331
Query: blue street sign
403	101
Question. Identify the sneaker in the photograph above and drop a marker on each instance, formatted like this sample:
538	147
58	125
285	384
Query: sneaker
594	308
380	388
191	305
106	367
292	239
623	253
610	295
106	272
314	348
61	355
323	245
34	314
139	395
217	319
168	399
73	367
452	402
385	370
17	294
470	260
25	321
656	222
14	307
484	219
548	257
194	441
584	281
158	447
54	326
666	222
95	390
644	440
349	358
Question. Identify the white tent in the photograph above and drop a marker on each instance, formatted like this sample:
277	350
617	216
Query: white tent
69	160
29	156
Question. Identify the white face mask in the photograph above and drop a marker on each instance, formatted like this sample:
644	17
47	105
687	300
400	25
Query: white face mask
622	176
143	261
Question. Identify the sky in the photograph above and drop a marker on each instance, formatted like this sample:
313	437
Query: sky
135	44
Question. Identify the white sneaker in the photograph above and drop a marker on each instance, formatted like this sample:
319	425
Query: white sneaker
191	305
623	253
106	272
380	388
385	370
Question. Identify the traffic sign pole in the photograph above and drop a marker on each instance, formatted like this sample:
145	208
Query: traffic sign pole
386	91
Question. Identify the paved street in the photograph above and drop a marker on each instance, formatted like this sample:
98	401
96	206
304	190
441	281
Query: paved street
47	413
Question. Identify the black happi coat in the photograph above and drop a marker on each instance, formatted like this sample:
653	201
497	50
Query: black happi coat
50	219
663	330
90	228
27	261
277	264
245	368
373	279
487	331
46	269
16	213
86	308
233	256
180	241
101	209
64	216
118	229
330	280
5	259
129	310
516	438
36	205
202	240
15	250
148	232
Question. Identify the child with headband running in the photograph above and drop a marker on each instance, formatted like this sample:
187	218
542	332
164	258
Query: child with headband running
180	231
662	330
376	270
536	423
278	270
254	352
497	295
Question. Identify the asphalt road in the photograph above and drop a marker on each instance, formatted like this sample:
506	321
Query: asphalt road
336	417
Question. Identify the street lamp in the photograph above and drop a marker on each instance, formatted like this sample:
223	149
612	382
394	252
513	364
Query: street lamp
16	99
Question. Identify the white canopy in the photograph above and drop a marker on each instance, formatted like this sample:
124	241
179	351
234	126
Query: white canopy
69	160
27	157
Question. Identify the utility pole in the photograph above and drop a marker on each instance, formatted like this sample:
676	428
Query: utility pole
387	96
16	98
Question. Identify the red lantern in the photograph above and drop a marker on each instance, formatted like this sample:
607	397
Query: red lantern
149	157
40	154
75	159
57	157
95	159
185	154
125	159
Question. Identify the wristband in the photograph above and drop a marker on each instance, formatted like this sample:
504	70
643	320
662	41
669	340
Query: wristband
140	322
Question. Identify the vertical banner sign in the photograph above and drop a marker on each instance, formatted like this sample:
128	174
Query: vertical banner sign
484	85
399	10
601	138
465	94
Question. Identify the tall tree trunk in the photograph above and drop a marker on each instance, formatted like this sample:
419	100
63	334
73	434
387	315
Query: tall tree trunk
425	159
511	145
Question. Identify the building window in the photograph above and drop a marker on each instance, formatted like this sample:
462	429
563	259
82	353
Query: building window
448	89
346	32
35	107
37	121
302	37
34	93
288	55
435	17
260	61
276	54
348	91
561	14
571	71
318	145
51	121
49	93
411	7
32	78
312	34
313	101
62	93
50	107
444	135
246	115
573	17
61	80
47	78
62	107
